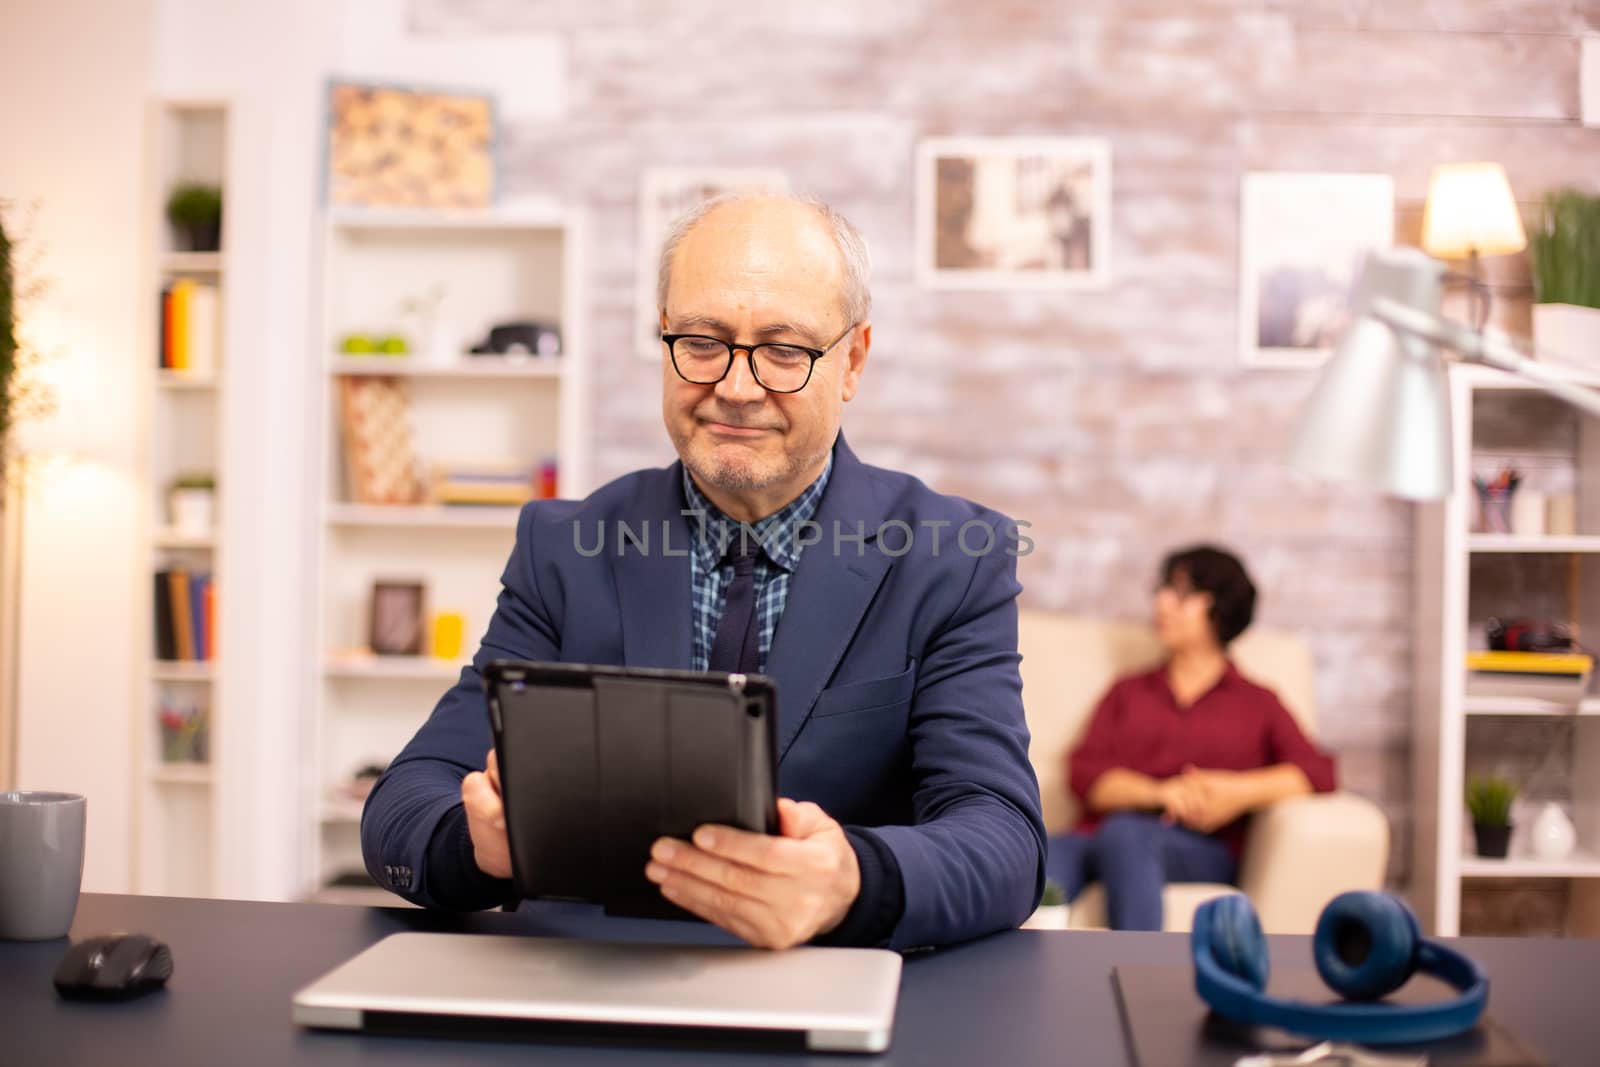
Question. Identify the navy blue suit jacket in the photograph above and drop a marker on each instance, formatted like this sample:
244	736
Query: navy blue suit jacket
899	699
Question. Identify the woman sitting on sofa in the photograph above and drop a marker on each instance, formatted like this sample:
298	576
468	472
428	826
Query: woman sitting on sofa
1175	759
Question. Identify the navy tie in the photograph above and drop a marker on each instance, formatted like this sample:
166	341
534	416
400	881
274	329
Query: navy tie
735	648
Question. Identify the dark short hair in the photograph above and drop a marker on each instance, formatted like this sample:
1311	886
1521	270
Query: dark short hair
1218	572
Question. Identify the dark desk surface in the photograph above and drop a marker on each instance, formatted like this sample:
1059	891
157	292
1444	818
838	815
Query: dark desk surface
1015	998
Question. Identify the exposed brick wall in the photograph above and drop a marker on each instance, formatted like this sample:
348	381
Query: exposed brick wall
1119	422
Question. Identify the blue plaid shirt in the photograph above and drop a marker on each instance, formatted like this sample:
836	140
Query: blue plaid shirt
709	573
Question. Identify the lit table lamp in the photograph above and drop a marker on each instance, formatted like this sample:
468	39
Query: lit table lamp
1470	212
1379	416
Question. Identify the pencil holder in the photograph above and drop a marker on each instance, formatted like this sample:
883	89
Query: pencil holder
1494	509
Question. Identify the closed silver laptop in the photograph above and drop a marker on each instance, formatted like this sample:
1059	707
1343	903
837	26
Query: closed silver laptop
824	999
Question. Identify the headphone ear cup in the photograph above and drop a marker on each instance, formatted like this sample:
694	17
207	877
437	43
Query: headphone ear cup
1237	943
1366	944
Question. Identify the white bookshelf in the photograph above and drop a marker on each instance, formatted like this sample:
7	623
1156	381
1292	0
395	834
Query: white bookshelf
465	366
192	262
1490	544
171	537
1462	577
176	824
504	265
1581	864
458	517
189	380
394	668
1482	705
162	670
181	774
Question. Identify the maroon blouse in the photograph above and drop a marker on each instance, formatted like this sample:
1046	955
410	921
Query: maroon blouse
1236	726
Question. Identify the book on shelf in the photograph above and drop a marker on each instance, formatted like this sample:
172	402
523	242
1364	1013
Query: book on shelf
482	484
1562	677
1539	663
188	335
185	616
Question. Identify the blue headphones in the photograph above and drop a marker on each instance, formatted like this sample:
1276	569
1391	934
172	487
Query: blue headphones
1367	945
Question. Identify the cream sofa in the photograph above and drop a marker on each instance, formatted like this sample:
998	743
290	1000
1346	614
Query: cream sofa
1299	853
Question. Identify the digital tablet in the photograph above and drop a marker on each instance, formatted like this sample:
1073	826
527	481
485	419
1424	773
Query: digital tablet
597	762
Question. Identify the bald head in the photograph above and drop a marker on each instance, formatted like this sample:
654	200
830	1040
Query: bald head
750	222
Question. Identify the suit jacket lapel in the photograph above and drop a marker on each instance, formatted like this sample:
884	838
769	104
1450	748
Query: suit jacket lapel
653	583
828	594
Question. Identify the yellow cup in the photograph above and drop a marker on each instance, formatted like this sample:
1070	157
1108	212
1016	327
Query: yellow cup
449	628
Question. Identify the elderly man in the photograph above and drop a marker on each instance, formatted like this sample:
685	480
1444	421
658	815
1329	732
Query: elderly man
885	613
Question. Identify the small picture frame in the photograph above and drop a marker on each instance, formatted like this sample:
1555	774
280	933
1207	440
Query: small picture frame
664	194
397	624
1302	242
1013	213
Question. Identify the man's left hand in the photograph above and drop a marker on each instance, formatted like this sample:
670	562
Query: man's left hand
773	891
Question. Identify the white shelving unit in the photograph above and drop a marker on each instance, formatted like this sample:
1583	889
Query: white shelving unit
1460	581
379	516
1490	544
175	812
504	265
467	366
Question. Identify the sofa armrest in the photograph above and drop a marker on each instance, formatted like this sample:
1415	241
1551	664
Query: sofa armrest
1302	852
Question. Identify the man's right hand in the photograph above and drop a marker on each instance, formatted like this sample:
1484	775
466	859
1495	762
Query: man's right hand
486	819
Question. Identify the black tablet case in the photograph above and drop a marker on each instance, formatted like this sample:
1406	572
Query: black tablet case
596	763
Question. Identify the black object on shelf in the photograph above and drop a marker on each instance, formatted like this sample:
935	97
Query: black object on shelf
529	338
1529	635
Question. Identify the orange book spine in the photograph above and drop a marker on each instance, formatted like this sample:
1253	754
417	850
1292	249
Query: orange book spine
181	293
211	621
182	615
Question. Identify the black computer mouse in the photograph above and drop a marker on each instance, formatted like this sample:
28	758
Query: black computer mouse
113	967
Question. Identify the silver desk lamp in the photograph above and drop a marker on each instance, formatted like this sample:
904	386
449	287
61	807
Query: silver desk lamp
1379	416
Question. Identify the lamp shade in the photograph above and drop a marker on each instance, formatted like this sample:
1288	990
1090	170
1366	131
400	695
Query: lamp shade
1379	416
1470	209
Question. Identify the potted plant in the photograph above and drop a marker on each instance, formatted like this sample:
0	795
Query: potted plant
1489	800
8	341
1565	250
1052	911
191	503
195	211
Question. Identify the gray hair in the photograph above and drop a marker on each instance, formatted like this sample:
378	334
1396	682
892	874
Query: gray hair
857	260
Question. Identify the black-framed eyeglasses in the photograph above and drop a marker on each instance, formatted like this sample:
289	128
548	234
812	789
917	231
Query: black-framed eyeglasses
778	368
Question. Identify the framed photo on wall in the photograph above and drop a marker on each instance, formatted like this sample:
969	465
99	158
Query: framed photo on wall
664	194
392	146
398	620
1013	212
1302	240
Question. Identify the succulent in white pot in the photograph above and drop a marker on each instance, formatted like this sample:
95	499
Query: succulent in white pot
191	504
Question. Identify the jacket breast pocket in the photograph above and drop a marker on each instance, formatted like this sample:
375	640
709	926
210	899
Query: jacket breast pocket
878	693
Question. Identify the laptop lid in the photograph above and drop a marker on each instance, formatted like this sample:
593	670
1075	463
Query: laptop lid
823	999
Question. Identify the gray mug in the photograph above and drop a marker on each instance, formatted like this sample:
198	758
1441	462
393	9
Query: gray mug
41	863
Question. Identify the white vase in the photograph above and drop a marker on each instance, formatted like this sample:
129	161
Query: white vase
1567	335
444	347
1552	835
